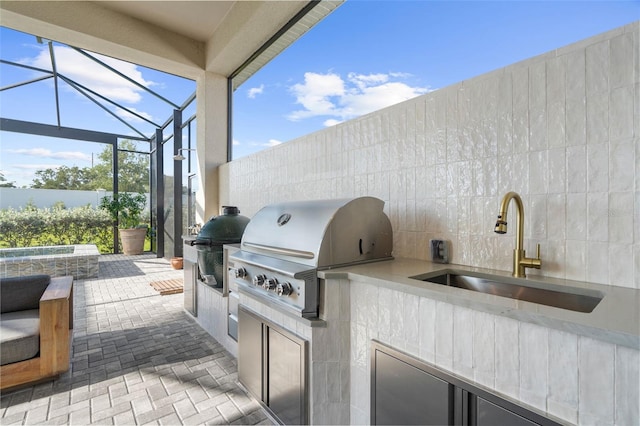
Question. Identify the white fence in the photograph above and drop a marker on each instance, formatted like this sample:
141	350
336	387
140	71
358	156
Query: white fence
44	198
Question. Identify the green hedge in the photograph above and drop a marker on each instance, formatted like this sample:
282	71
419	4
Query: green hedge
30	226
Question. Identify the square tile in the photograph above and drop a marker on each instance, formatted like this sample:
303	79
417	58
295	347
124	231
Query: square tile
596	381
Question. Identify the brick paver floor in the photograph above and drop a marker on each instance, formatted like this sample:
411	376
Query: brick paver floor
137	359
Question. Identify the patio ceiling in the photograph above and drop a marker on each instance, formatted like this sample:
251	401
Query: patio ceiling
198	21
179	37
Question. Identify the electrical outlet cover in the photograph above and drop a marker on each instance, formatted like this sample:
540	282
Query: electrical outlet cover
439	251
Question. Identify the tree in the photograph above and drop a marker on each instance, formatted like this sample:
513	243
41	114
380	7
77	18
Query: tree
65	177
133	169
133	173
4	183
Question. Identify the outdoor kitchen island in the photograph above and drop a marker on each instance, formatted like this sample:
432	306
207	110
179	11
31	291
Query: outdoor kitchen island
572	367
576	367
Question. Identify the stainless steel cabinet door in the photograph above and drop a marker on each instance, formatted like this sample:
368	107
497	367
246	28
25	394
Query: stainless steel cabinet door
489	414
285	387
250	352
406	390
405	395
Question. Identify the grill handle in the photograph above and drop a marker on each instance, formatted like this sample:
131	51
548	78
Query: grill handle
280	250
208	242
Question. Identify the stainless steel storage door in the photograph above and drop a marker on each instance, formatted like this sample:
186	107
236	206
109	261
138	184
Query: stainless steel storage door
405	395
250	353
285	391
272	366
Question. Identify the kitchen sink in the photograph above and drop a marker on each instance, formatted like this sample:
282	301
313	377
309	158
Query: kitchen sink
564	297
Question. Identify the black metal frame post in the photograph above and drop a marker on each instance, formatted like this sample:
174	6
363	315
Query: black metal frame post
177	184
190	176
159	187
114	167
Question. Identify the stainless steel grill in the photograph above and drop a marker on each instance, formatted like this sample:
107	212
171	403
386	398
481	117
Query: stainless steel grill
285	245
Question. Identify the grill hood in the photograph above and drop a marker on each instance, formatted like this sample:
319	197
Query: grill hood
321	233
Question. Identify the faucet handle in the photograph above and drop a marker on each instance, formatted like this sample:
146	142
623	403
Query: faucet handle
531	262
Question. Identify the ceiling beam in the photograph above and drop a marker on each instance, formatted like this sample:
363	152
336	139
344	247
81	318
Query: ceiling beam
90	26
245	29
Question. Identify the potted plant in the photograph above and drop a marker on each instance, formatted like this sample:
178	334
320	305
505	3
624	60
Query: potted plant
126	209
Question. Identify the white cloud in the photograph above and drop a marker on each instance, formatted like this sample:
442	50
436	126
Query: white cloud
87	72
330	95
251	93
315	95
362	80
132	118
6	173
36	166
373	98
47	153
236	142
273	142
331	122
400	74
268	144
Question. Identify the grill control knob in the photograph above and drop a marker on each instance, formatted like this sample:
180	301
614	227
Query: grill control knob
284	289
259	279
270	284
240	272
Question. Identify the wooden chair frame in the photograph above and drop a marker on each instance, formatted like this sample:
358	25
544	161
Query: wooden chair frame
56	333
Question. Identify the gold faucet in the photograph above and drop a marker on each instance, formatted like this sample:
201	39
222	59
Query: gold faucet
520	261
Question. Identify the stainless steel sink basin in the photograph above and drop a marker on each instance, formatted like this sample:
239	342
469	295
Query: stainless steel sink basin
570	298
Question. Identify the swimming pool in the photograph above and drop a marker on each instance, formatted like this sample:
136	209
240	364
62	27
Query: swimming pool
80	260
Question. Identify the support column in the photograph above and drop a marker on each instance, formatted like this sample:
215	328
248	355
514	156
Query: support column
211	151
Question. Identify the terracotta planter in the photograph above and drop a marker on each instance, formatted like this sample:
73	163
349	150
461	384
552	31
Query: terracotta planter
133	240
176	262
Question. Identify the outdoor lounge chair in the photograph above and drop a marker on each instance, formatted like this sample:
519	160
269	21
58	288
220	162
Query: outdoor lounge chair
36	322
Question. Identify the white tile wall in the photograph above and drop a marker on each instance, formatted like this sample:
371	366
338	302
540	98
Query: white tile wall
534	364
444	335
576	379
562	129
627	377
463	340
213	316
596	364
507	349
427	329
484	349
562	400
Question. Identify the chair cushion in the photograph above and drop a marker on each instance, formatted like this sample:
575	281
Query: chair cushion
19	336
22	293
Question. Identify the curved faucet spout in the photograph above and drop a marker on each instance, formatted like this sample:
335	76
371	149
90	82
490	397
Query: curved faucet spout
520	261
501	223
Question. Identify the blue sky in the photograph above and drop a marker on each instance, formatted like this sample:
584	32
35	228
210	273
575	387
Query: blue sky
22	155
364	56
369	54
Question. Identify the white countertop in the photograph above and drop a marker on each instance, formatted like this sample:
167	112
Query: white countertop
616	319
